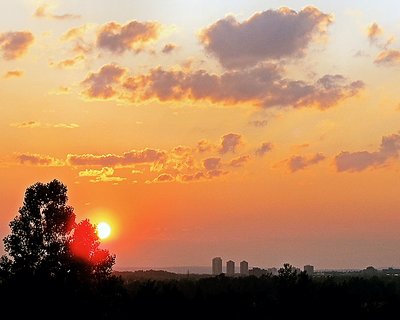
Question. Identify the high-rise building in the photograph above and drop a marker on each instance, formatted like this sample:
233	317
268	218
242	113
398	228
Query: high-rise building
216	266
230	268
244	268
309	270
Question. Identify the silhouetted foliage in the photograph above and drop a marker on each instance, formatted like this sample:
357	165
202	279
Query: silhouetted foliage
52	261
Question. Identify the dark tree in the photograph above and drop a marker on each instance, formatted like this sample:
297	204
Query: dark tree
46	242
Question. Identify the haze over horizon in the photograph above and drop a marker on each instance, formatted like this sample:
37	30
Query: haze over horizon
265	131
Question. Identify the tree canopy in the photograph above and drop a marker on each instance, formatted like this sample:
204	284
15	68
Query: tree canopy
45	240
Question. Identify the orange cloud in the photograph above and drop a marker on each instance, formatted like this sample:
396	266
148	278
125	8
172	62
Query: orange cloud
362	160
126	159
131	36
35	124
374	31
388	57
44	12
15	44
103	175
39	160
13	74
297	163
271	34
68	63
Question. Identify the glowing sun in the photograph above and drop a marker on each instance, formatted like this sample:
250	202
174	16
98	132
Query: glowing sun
103	230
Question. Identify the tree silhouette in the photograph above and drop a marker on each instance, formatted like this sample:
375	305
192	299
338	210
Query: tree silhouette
46	242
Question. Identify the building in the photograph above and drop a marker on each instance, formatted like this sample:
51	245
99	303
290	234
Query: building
216	266
309	270
230	268
258	272
244	268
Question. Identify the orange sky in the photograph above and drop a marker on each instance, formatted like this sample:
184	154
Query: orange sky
248	130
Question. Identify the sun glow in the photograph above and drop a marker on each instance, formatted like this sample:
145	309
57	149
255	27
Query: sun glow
103	230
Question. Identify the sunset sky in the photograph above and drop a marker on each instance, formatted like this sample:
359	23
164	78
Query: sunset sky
266	131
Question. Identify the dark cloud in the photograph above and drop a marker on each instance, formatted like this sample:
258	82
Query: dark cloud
38	160
100	84
168	48
212	163
15	44
193	177
262	86
239	161
110	160
230	142
131	36
361	160
164	177
44	12
297	163
259	123
272	34
263	149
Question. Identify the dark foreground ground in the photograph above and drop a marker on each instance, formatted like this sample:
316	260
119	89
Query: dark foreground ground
136	296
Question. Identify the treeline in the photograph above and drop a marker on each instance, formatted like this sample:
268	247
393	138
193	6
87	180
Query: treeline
268	297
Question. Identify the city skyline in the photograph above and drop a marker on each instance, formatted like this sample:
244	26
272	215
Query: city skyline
265	131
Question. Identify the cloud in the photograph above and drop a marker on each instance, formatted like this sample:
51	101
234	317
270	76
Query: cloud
39	160
239	161
103	175
192	177
388	57
212	163
204	146
131	36
100	84
13	74
262	86
164	177
130	158
297	163
362	160
263	149
69	63
74	33
271	34
230	142
168	48
374	32
259	123
15	44
35	124
44	12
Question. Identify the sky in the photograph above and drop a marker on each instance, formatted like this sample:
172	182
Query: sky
266	131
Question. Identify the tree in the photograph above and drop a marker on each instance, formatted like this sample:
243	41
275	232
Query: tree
44	236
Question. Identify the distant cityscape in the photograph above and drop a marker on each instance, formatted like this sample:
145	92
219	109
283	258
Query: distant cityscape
231	270
216	266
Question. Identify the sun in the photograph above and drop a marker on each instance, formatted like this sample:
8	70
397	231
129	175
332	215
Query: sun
103	230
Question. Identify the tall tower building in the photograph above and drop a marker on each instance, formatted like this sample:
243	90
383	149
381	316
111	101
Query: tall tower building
230	268
216	266
244	268
309	270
